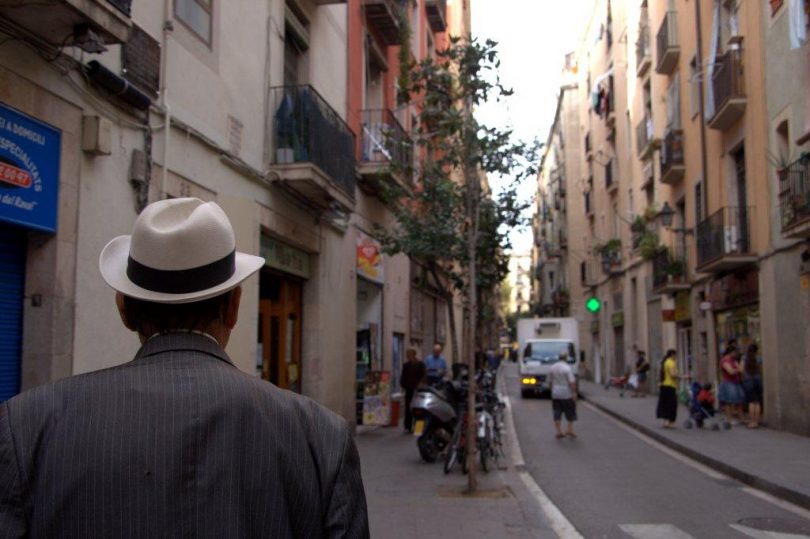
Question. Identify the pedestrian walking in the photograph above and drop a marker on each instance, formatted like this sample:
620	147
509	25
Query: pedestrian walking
435	365
563	396
752	385
668	391
177	442
641	370
731	394
413	373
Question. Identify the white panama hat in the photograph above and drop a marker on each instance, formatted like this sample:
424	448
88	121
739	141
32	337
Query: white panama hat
181	250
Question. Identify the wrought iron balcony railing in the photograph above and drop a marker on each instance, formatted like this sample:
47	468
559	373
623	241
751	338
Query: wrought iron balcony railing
667	44
386	142
670	270
645	136
672	158
728	87
308	130
726	234
794	192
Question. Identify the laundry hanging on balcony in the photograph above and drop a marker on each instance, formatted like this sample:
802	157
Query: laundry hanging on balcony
601	93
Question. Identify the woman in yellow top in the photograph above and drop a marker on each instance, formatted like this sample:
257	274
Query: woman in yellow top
668	391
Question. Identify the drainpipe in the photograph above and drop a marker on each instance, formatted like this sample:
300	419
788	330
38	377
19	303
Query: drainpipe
703	163
168	27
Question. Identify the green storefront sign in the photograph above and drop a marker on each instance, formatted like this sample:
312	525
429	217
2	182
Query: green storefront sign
617	320
285	258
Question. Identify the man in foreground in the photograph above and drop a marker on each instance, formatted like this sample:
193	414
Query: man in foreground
177	442
563	396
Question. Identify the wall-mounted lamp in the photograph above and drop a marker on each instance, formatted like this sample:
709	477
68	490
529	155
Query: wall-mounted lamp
666	216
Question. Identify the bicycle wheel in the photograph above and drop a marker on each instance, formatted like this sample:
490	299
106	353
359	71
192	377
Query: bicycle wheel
483	449
452	452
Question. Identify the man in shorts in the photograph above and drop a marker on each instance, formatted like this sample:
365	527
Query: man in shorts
563	396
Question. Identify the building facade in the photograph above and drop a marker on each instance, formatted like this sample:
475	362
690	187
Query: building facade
693	142
271	112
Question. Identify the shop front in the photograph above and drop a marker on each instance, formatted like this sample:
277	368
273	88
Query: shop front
735	302
281	284
29	194
372	380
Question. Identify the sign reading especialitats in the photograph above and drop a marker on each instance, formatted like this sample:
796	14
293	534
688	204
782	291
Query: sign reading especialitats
29	171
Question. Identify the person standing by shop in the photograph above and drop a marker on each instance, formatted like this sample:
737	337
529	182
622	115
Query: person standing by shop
668	391
731	395
642	368
435	365
413	372
752	385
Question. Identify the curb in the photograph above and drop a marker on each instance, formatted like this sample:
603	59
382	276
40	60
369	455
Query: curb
797	498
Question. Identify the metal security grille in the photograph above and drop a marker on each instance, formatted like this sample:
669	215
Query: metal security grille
12	279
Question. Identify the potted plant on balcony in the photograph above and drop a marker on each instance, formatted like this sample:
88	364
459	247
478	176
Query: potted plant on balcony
611	253
676	269
649	247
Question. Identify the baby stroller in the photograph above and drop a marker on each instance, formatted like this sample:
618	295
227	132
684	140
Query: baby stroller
625	382
700	415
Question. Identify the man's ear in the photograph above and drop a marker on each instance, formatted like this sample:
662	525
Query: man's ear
232	308
119	302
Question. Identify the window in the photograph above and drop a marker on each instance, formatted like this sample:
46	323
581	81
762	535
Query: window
196	15
694	88
416	32
296	44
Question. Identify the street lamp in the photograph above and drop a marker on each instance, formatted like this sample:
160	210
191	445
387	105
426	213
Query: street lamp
666	215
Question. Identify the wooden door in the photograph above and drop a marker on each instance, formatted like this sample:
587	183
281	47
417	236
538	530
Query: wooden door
280	336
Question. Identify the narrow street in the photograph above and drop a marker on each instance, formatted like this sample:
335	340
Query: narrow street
609	482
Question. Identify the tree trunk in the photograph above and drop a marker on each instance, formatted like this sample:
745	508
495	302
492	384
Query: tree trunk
472	183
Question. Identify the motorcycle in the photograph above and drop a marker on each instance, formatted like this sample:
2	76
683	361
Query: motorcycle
435	411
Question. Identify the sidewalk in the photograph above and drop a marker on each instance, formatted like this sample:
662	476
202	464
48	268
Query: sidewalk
772	461
408	497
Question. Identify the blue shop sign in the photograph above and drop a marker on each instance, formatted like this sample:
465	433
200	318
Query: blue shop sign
29	171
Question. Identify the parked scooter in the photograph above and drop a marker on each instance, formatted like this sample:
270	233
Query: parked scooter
435	409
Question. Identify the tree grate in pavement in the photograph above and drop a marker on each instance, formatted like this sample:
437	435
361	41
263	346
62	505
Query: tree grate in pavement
777	524
488	493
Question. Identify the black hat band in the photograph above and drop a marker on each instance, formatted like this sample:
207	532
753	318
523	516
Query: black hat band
182	281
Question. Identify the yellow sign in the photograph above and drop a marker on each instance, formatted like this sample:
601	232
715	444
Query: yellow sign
369	258
804	281
682	306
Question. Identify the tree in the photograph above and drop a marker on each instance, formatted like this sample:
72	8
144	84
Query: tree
449	222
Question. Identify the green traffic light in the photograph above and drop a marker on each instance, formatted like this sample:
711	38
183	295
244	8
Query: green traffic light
593	305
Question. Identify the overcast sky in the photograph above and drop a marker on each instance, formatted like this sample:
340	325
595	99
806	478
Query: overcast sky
533	37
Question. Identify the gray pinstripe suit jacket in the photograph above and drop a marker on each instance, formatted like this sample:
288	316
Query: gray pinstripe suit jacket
176	443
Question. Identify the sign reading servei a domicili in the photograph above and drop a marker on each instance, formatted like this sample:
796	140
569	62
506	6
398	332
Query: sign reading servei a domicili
29	171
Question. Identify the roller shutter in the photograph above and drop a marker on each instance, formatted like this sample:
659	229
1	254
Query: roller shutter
12	279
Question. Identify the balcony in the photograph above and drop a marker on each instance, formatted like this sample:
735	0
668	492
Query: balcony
382	15
794	198
610	118
314	148
53	20
669	271
672	162
387	151
724	240
728	86
643	60
645	138
436	11
667	45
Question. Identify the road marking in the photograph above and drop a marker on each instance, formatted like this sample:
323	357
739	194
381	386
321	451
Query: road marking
559	524
654	531
787	506
763	534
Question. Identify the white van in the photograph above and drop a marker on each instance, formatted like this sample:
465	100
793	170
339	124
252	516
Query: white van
542	340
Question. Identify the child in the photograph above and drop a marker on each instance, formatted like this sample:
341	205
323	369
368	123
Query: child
706	398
